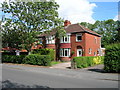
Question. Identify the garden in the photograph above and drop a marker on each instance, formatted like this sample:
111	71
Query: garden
111	60
41	57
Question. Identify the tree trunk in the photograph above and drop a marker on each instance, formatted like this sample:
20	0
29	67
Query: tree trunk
57	45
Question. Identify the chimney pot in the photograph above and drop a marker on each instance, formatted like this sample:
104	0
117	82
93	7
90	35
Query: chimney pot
66	23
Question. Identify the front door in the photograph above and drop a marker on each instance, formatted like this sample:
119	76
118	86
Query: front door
79	52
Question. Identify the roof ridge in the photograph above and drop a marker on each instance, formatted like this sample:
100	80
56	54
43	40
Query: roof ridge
82	27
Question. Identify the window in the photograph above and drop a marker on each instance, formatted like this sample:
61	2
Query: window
65	52
65	39
78	37
94	53
50	40
40	40
90	50
95	40
98	51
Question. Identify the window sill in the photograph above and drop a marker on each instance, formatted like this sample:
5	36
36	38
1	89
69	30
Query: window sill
64	56
64	42
50	43
79	41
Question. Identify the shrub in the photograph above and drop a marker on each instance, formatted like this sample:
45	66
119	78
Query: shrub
112	58
83	62
49	52
36	59
13	58
98	60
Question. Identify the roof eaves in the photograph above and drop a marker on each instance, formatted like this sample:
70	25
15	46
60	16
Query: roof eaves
89	31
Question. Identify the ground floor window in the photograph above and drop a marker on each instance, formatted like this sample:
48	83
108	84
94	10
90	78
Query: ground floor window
65	52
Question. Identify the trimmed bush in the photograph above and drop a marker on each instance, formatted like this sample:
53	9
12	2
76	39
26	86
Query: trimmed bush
46	51
83	62
36	59
13	58
112	58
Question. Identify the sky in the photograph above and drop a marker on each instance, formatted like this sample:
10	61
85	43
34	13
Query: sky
87	10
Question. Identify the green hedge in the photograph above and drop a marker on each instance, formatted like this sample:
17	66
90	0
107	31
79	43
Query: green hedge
13	58
112	58
83	62
35	59
46	51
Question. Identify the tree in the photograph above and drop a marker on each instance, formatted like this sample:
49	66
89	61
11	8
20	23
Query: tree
88	25
0	35
59	32
30	18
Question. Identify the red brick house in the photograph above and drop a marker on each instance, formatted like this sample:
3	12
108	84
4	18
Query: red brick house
79	41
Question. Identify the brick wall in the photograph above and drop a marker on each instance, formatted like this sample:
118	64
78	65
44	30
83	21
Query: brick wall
91	43
74	44
50	46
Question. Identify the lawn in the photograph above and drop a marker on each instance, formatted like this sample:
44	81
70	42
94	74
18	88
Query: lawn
55	62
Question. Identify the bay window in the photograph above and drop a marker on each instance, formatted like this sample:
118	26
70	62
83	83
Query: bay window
50	40
65	39
65	52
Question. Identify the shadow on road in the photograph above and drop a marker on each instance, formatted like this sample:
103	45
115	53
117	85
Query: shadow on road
97	70
9	84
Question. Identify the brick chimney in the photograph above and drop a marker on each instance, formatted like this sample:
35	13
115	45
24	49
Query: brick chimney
66	23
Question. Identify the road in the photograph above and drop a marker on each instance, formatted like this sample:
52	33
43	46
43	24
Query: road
19	76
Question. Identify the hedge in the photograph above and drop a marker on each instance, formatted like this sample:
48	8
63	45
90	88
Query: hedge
13	58
112	58
35	59
46	51
87	61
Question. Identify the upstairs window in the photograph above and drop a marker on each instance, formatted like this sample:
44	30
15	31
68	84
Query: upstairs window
65	39
95	40
78	37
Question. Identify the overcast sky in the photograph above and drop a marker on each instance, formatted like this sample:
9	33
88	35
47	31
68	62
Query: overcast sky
86	10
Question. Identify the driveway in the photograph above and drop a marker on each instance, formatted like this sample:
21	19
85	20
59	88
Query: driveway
64	65
21	76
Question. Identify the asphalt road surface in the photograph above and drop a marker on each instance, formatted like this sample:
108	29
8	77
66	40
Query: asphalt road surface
18	76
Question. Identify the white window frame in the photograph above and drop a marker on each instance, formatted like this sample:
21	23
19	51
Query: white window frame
95	40
40	40
62	40
77	36
94	53
90	51
98	51
62	52
50	40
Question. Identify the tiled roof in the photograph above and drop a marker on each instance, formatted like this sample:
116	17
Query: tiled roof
47	34
74	28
